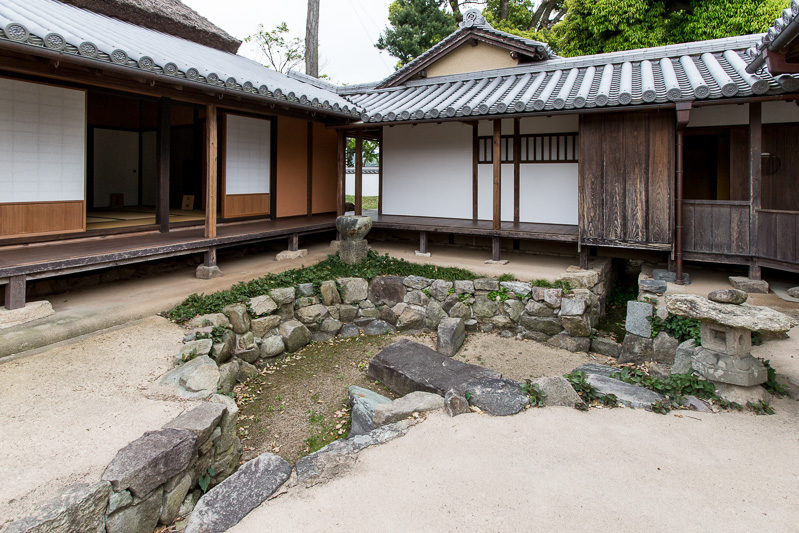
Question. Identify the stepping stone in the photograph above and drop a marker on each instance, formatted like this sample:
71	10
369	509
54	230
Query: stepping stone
497	397
406	366
601	370
401	408
363	403
629	395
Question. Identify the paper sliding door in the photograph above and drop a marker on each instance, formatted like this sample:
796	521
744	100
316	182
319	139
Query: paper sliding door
246	166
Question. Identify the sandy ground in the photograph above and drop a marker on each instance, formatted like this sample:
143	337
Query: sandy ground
66	410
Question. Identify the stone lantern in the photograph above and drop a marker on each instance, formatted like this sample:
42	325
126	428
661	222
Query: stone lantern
353	229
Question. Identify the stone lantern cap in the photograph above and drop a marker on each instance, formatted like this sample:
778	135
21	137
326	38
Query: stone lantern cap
744	316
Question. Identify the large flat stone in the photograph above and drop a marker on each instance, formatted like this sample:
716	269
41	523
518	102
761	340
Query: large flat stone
558	392
201	420
629	395
32	311
600	370
755	286
363	402
225	505
751	317
387	290
415	402
406	366
79	508
195	380
151	460
638	315
496	396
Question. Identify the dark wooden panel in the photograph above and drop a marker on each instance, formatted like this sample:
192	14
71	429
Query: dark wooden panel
246	205
661	177
41	218
688	237
703	228
739	230
613	174
721	231
591	178
636	173
739	163
780	189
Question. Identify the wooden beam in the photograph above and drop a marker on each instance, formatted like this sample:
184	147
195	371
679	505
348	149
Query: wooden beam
210	169
162	156
294	242
309	177
359	172
496	254
497	174
423	242
273	192
15	293
517	158
341	148
380	172
475	166
209	257
755	174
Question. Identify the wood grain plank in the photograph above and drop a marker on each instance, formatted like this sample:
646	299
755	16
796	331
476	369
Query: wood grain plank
722	230
211	167
613	177
739	230
660	200
703	228
636	171
497	164
739	163
41	218
689	237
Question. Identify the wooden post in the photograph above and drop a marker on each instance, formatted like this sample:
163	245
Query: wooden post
15	293
211	163
755	172
517	158
209	258
341	149
359	172
497	174
294	242
683	117
380	172
423	242
584	257
475	168
162	156
496	255
309	176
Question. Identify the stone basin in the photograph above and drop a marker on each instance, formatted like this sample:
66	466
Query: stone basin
745	316
353	228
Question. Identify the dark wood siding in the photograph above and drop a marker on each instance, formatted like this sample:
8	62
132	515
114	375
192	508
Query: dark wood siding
626	177
778	233
716	227
781	187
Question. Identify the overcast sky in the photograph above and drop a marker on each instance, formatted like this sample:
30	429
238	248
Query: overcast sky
348	30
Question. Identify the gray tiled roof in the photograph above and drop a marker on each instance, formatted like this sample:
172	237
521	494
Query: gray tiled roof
703	70
784	30
47	24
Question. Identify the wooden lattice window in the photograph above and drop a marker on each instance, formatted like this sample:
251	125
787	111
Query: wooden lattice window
535	148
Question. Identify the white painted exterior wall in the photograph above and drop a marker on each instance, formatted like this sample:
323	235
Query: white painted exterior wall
369	182
247	155
42	142
427	170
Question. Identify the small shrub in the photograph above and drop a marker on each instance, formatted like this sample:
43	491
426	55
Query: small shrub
501	295
507	276
760	408
588	392
679	327
534	392
772	385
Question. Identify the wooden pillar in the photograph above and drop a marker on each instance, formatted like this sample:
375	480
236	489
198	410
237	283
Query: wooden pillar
162	156
15	293
683	117
517	158
423	242
475	168
209	258
294	242
497	174
380	172
341	171
210	169
309	175
584	251
755	173
496	255
359	172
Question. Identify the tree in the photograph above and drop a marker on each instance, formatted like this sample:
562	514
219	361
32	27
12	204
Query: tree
281	51
415	26
312	39
369	151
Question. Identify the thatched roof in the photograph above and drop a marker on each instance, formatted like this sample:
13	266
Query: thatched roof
167	16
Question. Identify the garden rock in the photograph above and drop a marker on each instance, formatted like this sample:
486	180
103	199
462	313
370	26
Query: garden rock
272	346
321	336
239	318
305	301
347	313
246	371
261	326
226	504
751	317
363	403
577	326
581	279
502	322
387	290
455	403
193	348
486	284
755	286
406	366
228	422
173	500
600	370
464	287
353	290
793	292
636	349
263	305
665	348
349	330
570	306
79	507
629	395
329	292
654	286
434	314
195	380
388	315
695	404
519	288
496	396
417	282
534	308
656	370
553	297
140	517
605	346
412	317
313	314
638	315
379	327
514	309
549	326
671	277
683	356
401	408
295	335
306	289
330	326
416	298
470	324
742	395
248	356
283	296
201	420
483	307
460	310
370	313
536	336
451	334
558	392
213	319
149	461
728	296
564	341
227	376
440	289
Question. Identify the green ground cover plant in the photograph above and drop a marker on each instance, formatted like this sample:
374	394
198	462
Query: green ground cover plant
367	202
679	327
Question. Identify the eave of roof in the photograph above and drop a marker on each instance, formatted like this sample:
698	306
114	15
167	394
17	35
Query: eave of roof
784	30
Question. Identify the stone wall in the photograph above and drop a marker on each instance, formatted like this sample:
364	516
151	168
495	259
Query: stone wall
152	480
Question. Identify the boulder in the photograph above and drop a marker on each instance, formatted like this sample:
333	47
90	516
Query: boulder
239	318
246	371
225	505
486	284
570	306
349	330
683	357
329	291
502	322
151	460
364	402
412	317
195	380
519	288
577	326
793	292
379	327
539	309
605	346
213	319
558	391
283	296
261	326
564	341
455	403
173	500
417	282
228	422
483	307
664	347
262	305
79	507
306	289
201	420
638	315
460	310
416	298
497	396
600	370
192	349
347	313
636	349
272	346
415	402
305	301
295	335
728	296
581	279
451	334
553	297
464	287
313	314
387	290
330	326
406	366
353	290
387	315
629	395
434	314
751	317
514	309
143	516
549	326
227	376
440	289
755	286
654	286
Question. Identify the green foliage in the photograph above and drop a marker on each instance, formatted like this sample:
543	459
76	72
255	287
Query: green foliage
507	276
619	296
414	27
331	268
679	327
205	480
534	392
676	386
588	392
281	51
502	294
760	407
217	334
563	285
369	151
465	298
323	432
367	202
772	385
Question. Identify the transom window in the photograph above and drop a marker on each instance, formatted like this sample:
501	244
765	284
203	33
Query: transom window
535	148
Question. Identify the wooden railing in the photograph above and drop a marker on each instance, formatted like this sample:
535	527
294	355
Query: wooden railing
716	227
778	235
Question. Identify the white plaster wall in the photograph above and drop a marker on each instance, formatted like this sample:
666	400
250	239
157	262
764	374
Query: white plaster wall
247	156
427	170
42	142
529	125
369	182
719	115
548	193
780	112
485	192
